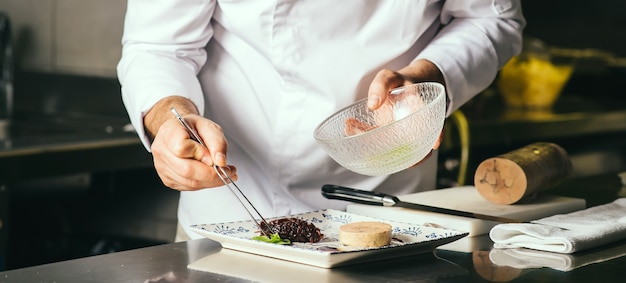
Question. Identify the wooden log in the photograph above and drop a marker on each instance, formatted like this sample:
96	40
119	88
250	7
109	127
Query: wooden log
513	176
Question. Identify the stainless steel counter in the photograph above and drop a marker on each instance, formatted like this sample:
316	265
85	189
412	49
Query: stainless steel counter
169	263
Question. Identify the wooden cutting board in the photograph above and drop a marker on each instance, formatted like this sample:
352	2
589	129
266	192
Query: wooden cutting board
468	199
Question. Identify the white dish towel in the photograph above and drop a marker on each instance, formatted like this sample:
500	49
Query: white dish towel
566	233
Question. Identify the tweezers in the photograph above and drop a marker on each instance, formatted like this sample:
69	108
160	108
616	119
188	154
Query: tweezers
263	225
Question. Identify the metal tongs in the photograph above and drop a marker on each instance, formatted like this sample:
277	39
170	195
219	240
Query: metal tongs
265	227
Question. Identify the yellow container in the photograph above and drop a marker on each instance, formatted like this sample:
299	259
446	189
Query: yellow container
532	81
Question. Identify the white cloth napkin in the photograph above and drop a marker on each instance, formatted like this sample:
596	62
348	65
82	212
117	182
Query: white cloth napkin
566	233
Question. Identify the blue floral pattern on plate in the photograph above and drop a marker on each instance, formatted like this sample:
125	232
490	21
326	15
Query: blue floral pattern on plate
408	239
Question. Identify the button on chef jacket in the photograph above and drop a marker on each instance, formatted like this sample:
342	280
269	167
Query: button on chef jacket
270	71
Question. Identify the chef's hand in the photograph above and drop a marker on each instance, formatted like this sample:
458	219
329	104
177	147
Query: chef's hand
385	80
181	163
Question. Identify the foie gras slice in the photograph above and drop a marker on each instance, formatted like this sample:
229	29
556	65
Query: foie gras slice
365	234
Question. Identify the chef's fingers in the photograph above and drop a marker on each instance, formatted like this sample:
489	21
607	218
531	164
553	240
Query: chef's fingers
172	153
191	174
439	140
420	70
182	163
213	137
383	82
355	126
430	153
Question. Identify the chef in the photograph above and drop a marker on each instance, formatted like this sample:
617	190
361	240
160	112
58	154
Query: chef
255	77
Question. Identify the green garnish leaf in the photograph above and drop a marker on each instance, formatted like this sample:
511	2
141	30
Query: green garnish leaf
274	239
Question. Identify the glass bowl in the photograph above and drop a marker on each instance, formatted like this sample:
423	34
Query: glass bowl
392	138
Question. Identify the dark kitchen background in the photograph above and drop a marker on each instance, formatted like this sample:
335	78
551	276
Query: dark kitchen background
75	181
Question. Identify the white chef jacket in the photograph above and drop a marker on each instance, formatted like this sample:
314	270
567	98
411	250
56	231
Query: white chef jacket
270	71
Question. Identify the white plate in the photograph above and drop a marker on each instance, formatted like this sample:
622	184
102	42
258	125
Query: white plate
408	239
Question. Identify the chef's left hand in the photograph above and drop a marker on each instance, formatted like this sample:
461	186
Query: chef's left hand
385	80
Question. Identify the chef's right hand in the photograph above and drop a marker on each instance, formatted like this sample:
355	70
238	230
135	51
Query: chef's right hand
181	163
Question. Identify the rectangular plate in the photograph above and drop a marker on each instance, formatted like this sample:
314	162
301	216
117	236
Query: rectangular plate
408	239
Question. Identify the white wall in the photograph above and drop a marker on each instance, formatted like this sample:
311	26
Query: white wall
67	36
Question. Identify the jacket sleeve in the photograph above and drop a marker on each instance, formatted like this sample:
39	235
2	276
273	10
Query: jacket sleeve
162	53
477	38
